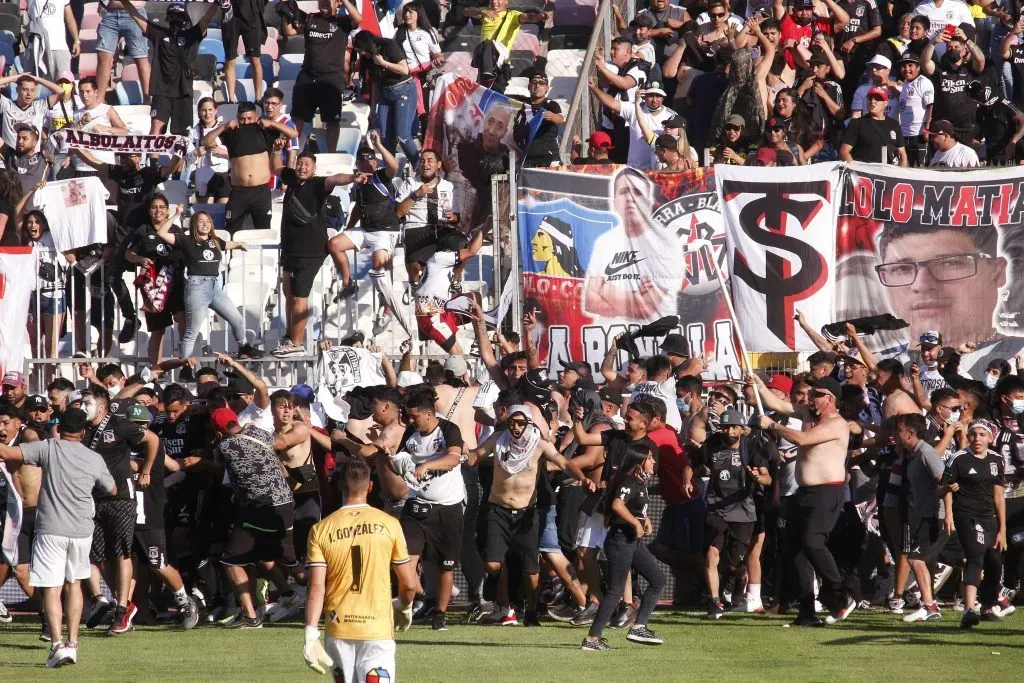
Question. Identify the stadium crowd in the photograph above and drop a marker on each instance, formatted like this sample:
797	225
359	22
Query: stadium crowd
867	482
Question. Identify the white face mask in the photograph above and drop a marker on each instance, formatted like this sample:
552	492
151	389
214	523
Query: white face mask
990	380
1018	406
114	390
954	417
89	406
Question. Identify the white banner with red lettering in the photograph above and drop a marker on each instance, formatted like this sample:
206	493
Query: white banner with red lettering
17	279
780	232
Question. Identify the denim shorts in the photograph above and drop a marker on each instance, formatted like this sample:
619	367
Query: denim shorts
548	530
48	305
118	24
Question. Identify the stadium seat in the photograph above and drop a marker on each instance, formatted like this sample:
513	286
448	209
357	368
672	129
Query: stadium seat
87	34
527	41
465	40
129	92
521	61
271	48
10	8
289	67
130	72
213	34
87	64
201	89
308	6
258	237
176	191
227	111
329	164
137	117
286	86
245	90
212	47
12	23
527	5
460	63
217	213
569	38
348	140
293	45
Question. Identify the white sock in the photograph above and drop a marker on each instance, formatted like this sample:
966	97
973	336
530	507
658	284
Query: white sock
181	597
753	592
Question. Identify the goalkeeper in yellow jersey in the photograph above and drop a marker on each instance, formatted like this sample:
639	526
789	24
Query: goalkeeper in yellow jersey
350	556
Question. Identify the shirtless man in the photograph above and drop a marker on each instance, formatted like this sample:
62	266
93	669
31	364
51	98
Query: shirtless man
27	481
294	447
384	439
512	517
249	141
822	444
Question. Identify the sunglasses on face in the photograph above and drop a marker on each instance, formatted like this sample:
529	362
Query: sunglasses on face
718	16
734	129
517	423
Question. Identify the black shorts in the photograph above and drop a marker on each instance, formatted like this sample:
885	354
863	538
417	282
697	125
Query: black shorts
318	92
219	186
261	534
436	536
150	546
158	322
514	531
252	201
26	535
247	24
307	513
177	110
301	272
420	243
113	529
925	538
731	539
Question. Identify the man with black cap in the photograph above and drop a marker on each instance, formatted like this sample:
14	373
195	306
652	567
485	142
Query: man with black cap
949	152
999	123
539	139
735	470
952	69
822	445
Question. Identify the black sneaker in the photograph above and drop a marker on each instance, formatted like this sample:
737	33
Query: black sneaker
249	351
989	614
970	619
599	645
810	620
128	330
347	291
242	623
716	610
622	615
531	618
642	634
440	622
190	615
586	617
479	612
564	613
100	611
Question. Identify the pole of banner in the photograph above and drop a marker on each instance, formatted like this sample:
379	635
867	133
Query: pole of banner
706	252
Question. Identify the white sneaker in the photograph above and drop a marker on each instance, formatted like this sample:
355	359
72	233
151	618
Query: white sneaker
287	606
920	614
754	606
5	616
942	574
61	654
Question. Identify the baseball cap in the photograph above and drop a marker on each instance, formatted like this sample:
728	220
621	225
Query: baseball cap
75	397
66	76
222	418
983	424
536	380
303	391
880	60
675	344
36	402
457	365
910	58
880	93
941	126
579	366
969	31
654	88
828	385
930	338
665	141
851	360
366	151
538	75
735	120
407	378
766	155
781	383
13	378
732	418
676	121
819	58
773	123
803	3
139	413
240	385
610	396
601	140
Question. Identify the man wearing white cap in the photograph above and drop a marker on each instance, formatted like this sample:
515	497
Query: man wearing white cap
879	68
641	154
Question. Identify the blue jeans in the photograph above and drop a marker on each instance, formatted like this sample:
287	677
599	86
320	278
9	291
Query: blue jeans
117	24
204	292
396	118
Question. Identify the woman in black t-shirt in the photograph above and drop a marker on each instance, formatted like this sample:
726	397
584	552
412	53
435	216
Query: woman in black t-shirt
10	204
628	523
202	251
394	93
973	484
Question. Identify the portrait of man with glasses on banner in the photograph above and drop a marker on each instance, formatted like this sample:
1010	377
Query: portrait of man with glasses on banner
952	279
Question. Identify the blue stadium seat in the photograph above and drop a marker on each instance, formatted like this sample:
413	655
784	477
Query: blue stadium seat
129	92
212	47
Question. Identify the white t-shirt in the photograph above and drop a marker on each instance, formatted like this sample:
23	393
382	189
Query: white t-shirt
12	115
666	391
208	163
860	102
63	113
261	417
434	289
429	210
641	154
952	12
958	156
51	22
420	46
915	97
443	488
76	210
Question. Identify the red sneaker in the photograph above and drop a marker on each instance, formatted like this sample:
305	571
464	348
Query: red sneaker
123	619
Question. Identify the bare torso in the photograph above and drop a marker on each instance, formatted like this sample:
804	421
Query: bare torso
515	490
464	416
824	463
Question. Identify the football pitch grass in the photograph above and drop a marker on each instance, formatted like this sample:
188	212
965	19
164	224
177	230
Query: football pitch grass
870	646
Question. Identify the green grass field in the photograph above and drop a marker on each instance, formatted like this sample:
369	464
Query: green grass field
869	646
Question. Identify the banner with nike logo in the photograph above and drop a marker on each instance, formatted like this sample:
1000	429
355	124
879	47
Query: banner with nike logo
781	244
606	250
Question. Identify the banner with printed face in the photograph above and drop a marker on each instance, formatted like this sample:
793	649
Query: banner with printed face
606	250
780	237
17	268
470	126
942	250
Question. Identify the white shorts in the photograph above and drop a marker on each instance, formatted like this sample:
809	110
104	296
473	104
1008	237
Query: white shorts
57	560
356	661
592	531
383	240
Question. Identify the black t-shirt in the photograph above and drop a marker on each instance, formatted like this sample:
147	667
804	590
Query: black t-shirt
149	513
188	436
869	137
633	492
1017	68
171	54
115	439
145	242
976	477
705	92
132	187
951	99
326	42
544	147
201	258
730	485
120	406
391	52
303	232
997	124
248	139
376	199
10	237
864	16
614	442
